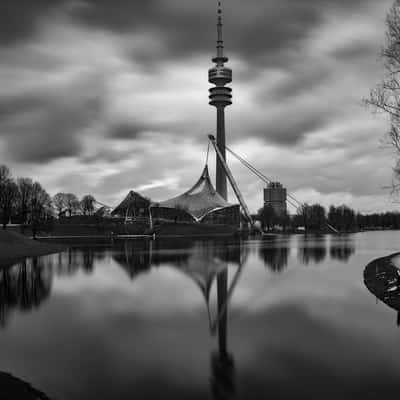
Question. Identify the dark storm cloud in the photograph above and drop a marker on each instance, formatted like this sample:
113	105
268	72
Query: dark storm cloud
263	30
127	130
186	27
292	129
15	105
355	50
296	83
41	129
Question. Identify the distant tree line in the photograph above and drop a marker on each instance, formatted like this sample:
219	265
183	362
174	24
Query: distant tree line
316	218
27	203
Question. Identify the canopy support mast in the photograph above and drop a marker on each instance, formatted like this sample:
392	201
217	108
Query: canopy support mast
232	181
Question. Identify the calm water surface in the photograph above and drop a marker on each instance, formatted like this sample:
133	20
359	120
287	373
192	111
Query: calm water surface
280	318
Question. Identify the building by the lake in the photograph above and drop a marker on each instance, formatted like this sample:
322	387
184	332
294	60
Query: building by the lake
275	195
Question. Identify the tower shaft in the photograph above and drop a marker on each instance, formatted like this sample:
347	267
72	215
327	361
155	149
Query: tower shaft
222	290
220	97
221	180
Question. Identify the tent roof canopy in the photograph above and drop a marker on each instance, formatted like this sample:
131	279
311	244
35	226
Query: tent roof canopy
201	199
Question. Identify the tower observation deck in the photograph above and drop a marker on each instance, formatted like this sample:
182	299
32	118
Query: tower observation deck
220	97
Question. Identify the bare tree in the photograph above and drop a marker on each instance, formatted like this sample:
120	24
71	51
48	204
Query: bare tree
4	173
268	217
60	203
385	97
87	204
313	216
72	203
25	187
8	199
66	203
8	195
40	207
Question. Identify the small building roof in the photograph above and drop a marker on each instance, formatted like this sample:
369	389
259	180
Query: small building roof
132	200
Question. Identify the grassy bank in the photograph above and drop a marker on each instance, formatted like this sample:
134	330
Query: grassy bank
14	246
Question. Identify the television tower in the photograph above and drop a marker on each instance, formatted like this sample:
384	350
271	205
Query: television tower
220	97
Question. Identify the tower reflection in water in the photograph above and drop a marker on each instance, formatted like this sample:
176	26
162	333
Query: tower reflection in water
222	362
204	262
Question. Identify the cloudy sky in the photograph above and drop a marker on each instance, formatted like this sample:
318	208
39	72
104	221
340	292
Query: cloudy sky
101	96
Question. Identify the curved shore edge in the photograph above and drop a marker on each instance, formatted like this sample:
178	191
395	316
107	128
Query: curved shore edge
15	388
14	246
382	279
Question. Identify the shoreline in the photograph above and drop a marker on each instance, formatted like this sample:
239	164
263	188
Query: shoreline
382	279
14	247
42	249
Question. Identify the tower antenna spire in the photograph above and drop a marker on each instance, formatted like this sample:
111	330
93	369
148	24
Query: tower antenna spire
220	40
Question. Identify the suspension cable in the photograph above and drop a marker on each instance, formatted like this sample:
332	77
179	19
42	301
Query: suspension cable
260	175
208	152
264	178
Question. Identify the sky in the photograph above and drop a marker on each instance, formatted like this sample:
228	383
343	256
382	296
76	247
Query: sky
102	97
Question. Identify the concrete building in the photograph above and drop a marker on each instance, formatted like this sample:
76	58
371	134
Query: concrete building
275	195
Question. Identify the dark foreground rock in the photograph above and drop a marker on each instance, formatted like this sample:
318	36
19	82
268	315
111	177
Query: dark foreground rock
12	388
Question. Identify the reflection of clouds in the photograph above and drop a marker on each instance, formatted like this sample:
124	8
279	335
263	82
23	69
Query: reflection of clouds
165	288
259	290
270	347
290	344
309	326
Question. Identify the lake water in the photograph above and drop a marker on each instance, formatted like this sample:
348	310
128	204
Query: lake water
280	318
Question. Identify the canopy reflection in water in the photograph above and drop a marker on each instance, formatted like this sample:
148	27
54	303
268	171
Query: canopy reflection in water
205	262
